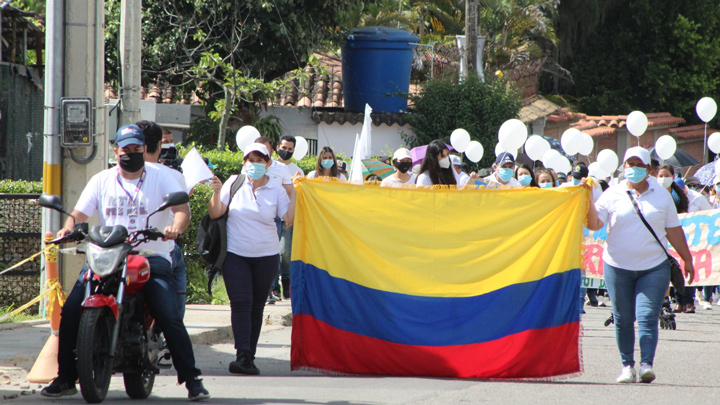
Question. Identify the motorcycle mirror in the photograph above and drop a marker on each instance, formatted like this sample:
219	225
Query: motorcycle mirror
54	202
170	200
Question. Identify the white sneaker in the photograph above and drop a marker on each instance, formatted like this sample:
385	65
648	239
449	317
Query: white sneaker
706	305
647	374
628	375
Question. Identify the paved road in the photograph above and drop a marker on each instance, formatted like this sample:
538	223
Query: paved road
686	364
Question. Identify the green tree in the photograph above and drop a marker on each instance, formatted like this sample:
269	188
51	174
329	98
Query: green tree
478	107
650	55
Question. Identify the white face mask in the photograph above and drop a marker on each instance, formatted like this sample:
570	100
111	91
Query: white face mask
665	182
444	162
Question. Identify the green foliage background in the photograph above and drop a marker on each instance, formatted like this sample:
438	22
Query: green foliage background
479	107
648	55
20	187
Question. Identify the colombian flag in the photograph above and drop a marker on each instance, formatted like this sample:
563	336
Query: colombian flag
437	282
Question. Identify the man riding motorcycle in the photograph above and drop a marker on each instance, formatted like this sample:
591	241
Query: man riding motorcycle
125	196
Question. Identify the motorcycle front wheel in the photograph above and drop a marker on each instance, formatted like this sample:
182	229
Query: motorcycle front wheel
94	363
139	385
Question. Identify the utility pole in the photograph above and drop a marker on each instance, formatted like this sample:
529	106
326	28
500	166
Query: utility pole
130	50
471	49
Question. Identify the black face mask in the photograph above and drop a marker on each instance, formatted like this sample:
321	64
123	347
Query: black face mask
403	167
132	162
284	154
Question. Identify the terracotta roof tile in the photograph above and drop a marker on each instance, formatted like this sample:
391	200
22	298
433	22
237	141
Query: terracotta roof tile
690	132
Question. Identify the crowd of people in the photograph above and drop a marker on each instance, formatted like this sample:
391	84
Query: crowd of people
260	214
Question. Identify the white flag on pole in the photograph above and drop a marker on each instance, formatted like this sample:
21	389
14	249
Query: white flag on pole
363	148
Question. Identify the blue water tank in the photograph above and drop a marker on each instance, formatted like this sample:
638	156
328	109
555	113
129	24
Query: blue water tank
376	61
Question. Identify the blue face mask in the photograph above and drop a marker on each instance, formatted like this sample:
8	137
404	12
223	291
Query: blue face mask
557	183
327	163
525	179
546	185
505	174
255	170
635	174
576	182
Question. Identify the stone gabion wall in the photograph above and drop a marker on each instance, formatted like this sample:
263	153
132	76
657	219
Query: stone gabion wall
20	228
18	289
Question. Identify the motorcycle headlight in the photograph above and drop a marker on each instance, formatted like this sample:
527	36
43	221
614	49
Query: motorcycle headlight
103	261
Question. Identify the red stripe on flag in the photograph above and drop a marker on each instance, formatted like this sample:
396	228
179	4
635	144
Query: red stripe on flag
536	353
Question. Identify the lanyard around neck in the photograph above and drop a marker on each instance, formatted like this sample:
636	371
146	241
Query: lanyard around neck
132	198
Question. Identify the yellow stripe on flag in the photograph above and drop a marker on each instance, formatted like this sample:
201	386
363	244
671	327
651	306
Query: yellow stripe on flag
472	236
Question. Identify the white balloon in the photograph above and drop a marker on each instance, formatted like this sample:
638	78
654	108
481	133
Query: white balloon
587	144
536	146
706	109
474	151
499	149
714	142
301	148
564	165
571	141
665	146
596	171
245	136
512	134
608	160
550	157
637	123
460	139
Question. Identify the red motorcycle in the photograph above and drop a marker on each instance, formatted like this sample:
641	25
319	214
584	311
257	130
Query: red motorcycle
117	333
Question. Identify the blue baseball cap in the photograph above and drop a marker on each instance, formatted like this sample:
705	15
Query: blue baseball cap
129	135
505	157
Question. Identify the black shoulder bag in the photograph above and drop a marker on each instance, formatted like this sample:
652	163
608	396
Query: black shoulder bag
677	279
212	237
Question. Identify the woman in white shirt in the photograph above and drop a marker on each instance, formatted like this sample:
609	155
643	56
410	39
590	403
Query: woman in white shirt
436	168
637	271
326	165
402	161
253	253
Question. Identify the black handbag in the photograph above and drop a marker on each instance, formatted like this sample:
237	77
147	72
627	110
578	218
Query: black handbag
211	238
677	279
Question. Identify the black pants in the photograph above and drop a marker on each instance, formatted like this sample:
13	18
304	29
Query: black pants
248	281
161	298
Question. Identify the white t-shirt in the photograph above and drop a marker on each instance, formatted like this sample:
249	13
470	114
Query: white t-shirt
293	168
697	201
391	181
493	182
630	245
277	172
463	178
105	195
313	175
251	229
423	179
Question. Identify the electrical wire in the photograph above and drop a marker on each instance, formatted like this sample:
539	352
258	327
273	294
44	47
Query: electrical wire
286	34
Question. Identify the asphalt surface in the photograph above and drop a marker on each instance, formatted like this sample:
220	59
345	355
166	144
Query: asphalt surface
685	365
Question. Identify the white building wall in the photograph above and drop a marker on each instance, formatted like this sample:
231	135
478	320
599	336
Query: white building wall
297	121
385	139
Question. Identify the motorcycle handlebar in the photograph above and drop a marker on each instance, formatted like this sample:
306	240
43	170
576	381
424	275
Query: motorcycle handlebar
74	236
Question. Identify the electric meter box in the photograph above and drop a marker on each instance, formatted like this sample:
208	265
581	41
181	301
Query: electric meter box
76	122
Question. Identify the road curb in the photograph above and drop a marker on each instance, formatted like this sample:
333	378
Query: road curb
22	324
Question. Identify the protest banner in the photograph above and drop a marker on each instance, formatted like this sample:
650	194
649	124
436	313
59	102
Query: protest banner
702	232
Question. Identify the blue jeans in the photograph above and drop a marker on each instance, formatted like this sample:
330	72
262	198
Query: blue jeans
160	297
179	272
637	295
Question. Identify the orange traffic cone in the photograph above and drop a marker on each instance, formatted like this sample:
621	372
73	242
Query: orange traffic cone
46	366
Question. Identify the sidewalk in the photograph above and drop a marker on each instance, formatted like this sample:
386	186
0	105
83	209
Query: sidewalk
21	342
